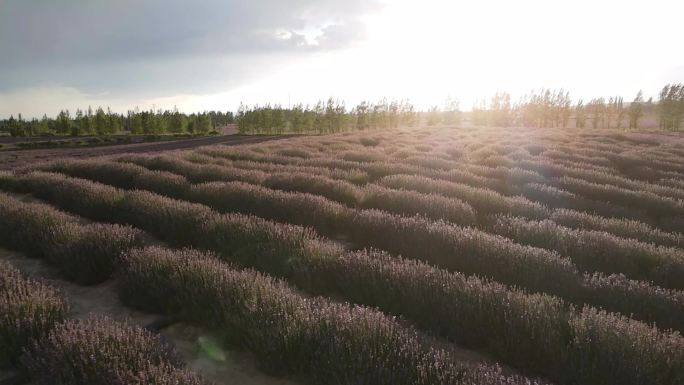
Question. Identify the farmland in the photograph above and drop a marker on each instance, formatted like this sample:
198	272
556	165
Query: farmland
406	256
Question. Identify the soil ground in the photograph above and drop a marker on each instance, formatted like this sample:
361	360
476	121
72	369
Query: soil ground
20	158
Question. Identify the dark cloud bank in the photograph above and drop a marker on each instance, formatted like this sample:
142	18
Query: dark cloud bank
155	47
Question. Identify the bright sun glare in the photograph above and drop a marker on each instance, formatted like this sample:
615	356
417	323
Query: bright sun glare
432	50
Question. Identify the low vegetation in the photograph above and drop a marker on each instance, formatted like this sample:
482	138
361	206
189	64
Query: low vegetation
372	257
28	311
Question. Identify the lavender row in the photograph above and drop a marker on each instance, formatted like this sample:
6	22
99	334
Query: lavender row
370	197
36	337
28	310
312	338
433	242
598	251
290	252
84	253
483	201
462	249
101	351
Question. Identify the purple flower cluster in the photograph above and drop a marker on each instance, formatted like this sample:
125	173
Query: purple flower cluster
85	253
290	333
28	310
101	351
599	251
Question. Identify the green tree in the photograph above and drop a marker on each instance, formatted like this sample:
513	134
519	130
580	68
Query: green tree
176	123
278	119
136	122
671	106
14	126
63	123
101	122
580	114
636	110
42	126
200	123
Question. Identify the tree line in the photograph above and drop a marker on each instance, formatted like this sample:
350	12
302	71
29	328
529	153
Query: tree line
106	122
545	108
325	117
555	108
671	106
449	114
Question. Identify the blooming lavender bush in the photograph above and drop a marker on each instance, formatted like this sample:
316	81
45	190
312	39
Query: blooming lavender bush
639	299
618	226
525	330
600	251
194	172
85	253
414	203
91	255
561	199
449	246
465	249
355	176
333	189
122	175
99	350
539	175
80	196
298	208
315	338
30	227
116	173
610	349
28	310
590	174
485	201
175	221
655	204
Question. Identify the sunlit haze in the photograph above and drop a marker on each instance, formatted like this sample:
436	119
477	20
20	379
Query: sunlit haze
303	51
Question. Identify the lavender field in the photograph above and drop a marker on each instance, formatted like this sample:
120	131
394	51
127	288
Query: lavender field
403	256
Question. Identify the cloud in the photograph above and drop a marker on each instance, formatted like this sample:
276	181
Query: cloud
161	46
340	35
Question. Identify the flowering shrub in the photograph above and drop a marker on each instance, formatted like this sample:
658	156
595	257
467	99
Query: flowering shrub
122	175
94	200
289	333
525	330
465	249
28	310
85	253
99	350
412	203
600	251
484	201
639	299
298	208
654	204
556	221
610	349
195	173
618	226
333	189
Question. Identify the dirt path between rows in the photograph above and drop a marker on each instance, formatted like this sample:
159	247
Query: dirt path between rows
224	368
19	158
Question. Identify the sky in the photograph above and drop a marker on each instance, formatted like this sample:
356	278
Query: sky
214	54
